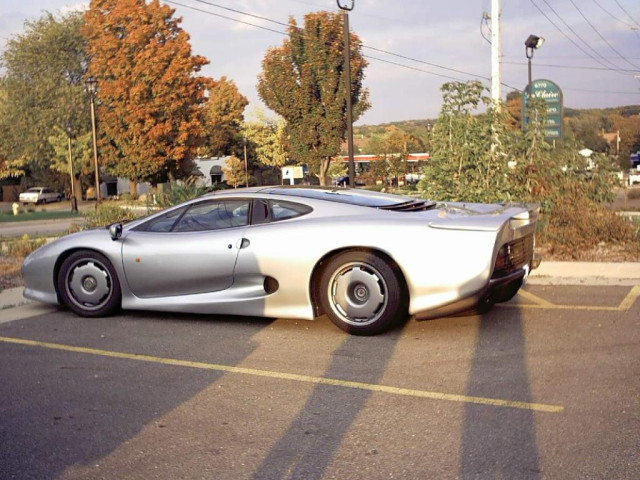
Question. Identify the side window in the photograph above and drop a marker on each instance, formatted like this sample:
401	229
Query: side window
162	223
214	215
280	210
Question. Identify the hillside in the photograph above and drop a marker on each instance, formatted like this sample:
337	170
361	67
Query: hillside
586	125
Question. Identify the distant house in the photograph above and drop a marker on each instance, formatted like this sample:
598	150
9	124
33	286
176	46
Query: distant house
211	170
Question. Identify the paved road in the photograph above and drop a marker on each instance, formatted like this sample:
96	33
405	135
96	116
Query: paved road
546	387
40	227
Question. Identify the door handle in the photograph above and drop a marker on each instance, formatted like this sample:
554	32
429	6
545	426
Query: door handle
243	243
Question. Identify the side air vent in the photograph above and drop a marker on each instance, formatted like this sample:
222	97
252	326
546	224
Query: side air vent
270	285
411	206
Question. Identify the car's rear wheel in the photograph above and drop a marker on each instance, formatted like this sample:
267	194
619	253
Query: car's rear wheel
88	284
362	293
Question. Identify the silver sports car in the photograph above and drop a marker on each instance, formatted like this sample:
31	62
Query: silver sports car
367	260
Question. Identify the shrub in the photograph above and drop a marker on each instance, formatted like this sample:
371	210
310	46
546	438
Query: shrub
180	192
24	246
105	214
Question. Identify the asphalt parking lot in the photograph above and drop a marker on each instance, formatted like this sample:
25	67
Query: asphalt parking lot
547	386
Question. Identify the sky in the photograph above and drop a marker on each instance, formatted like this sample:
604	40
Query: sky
591	49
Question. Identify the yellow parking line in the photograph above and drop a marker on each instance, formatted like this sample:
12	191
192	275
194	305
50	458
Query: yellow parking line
534	298
495	402
630	299
624	306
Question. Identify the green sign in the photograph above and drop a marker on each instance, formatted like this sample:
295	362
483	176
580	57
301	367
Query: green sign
549	92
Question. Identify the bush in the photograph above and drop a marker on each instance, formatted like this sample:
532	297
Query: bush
180	192
24	246
106	214
578	223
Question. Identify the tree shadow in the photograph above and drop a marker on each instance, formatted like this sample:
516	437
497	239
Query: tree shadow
307	448
499	442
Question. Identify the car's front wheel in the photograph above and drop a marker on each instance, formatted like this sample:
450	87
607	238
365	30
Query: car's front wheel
88	284
362	293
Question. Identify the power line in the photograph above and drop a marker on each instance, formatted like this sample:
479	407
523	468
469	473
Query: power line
612	15
569	67
633	28
600	35
260	17
615	67
370	57
224	17
628	14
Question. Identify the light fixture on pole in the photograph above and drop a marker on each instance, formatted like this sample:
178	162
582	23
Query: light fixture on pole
74	201
532	43
91	84
347	63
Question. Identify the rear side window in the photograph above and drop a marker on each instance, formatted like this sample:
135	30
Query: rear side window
267	211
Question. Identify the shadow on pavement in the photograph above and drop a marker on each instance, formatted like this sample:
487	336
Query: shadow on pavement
499	442
61	408
308	447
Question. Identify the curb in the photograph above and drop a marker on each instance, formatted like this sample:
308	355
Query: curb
586	273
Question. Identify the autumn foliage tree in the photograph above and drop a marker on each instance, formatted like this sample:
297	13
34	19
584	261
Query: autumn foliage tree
150	99
303	80
224	114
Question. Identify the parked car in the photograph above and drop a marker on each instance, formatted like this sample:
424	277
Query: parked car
344	182
366	259
40	195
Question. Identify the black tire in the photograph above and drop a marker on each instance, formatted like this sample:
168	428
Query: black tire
362	293
59	199
88	284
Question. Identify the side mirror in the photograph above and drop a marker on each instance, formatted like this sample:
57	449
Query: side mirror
115	231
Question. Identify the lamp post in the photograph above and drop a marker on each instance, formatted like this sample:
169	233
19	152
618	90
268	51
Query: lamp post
532	43
246	168
92	87
347	62
74	201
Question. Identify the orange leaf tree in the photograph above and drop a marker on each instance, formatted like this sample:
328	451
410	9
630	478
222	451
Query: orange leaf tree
303	81
150	111
224	114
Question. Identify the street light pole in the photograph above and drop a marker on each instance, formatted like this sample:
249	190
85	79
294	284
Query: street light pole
532	43
74	201
92	86
246	168
347	62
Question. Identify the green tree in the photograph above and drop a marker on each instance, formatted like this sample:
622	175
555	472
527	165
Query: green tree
303	81
338	168
151	101
41	89
266	137
81	153
224	114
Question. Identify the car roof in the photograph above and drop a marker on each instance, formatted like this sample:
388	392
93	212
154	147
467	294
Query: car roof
351	196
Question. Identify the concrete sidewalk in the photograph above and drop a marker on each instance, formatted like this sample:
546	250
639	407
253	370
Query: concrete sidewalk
549	273
586	273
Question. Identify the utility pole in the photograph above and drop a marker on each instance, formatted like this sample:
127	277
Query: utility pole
347	61
496	79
